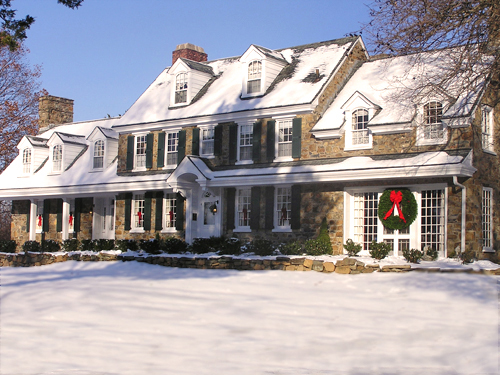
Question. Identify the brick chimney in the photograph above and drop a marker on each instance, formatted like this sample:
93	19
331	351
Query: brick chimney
53	110
189	51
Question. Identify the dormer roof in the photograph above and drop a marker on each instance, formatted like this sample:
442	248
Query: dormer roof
265	52
67	139
29	140
107	133
197	66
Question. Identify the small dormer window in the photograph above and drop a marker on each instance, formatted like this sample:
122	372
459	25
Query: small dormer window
254	77
98	154
360	127
27	161
181	86
57	156
433	127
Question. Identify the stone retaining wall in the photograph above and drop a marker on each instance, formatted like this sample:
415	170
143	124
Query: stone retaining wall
345	266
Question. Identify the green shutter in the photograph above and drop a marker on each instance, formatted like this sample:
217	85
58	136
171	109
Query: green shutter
233	143
159	211
256	146
149	150
196	141
296	199
130	152
255	208
230	202
78	211
28	218
128	211
147	210
59	215
271	138
160	160
218	140
181	146
269	218
46	212
296	137
179	213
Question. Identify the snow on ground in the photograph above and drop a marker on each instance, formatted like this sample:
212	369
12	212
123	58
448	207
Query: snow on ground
87	318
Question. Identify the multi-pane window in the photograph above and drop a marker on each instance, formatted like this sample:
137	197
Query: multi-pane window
487	218
360	127
243	207
246	135
432	209
487	128
254	77
138	211
181	86
170	210
172	140
207	141
140	151
27	160
57	158
433	127
283	206
284	138
98	154
365	218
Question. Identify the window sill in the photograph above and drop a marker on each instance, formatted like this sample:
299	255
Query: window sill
137	230
422	142
367	146
244	162
169	230
283	159
488	250
282	230
209	156
486	151
96	170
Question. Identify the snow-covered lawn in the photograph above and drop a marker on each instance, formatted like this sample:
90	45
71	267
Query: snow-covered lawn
82	318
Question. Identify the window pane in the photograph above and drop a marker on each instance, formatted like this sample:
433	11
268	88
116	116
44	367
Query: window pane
172	141
243	207
181	86
285	138
140	153
138	212
27	160
283	206
365	218
432	219
487	218
246	136
170	210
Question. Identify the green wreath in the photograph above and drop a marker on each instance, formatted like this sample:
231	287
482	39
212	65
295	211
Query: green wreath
401	200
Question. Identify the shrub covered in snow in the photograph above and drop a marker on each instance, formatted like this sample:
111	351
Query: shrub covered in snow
413	255
230	246
98	245
379	250
150	246
125	245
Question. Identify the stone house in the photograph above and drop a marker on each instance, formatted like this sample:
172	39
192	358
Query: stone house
267	145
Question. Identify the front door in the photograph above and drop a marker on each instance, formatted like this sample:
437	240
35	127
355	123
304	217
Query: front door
104	219
210	214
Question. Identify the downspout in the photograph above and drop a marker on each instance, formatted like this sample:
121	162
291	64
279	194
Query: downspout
464	196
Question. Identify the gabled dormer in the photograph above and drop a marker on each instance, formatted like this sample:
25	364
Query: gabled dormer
34	151
103	144
187	79
358	111
259	67
64	150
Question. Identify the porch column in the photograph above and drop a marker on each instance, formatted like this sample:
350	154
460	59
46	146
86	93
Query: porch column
188	194
33	212
65	219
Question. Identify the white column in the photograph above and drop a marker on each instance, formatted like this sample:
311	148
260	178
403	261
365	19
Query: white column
65	219
189	215
33	215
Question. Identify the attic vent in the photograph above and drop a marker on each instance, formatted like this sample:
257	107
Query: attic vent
314	77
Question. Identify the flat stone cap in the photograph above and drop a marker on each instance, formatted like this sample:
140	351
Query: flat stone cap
189	46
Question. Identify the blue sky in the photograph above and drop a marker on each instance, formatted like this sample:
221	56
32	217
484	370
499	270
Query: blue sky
106	53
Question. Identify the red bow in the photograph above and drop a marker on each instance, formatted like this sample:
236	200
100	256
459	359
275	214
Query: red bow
39	220
140	215
171	215
283	213
70	219
396	198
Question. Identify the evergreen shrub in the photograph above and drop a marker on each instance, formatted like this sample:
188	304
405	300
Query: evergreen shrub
32	246
173	245
102	244
261	247
431	253
50	246
8	246
150	246
71	245
230	246
413	255
352	248
207	245
87	245
379	250
468	256
291	248
125	245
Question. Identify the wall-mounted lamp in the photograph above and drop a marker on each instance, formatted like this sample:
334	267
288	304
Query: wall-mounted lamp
213	207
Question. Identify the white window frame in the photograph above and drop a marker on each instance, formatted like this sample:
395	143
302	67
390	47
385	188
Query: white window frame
181	88
27	160
140	157
254	76
57	162
285	140
101	153
171	148
279	225
487	129
245	142
243	199
427	128
487	219
169	205
137	205
205	142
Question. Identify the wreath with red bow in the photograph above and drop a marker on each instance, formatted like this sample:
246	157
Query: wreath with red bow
397	208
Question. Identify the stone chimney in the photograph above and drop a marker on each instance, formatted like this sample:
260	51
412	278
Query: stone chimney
53	110
189	51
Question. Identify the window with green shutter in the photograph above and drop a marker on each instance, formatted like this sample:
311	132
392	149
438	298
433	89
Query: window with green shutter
160	161
130	152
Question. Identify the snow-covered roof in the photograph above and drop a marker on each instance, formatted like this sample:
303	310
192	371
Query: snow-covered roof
37	141
224	93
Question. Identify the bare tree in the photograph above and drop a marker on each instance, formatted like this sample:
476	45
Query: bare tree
464	36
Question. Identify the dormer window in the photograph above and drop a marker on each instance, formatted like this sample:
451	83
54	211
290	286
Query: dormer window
433	127
181	86
254	77
98	154
27	161
57	156
360	133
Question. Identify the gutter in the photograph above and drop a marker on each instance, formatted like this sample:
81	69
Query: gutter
464	196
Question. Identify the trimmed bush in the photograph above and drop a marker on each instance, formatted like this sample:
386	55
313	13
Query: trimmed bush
432	253
291	248
317	246
50	246
71	245
413	255
102	244
261	247
125	245
379	250
32	246
207	245
173	245
86	245
150	246
352	248
8	246
230	246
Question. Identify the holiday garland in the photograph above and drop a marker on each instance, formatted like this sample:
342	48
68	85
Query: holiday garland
397	208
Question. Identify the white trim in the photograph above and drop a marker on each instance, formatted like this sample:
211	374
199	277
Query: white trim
488	249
